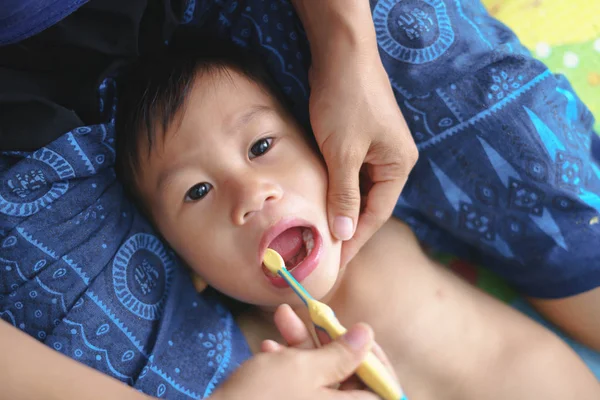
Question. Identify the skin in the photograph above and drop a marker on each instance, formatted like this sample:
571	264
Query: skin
340	23
314	372
450	340
355	119
360	123
444	338
31	370
578	315
339	31
210	143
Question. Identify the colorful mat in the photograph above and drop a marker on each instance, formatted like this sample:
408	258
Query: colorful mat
565	35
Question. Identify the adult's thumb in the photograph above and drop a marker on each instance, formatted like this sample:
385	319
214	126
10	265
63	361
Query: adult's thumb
336	361
343	198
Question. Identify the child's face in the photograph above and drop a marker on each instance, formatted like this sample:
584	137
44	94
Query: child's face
234	176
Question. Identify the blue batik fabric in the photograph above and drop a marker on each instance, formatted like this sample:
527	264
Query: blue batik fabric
85	274
505	172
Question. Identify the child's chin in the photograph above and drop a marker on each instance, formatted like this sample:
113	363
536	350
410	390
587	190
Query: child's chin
322	287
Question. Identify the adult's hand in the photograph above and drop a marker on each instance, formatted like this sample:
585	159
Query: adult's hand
356	120
30	370
296	335
298	373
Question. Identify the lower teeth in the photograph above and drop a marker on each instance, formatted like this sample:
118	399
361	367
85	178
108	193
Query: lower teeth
309	245
309	241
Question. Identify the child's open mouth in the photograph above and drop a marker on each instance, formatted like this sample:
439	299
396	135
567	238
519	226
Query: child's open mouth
294	245
299	246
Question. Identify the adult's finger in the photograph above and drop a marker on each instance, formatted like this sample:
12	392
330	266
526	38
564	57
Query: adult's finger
379	353
352	383
292	329
343	194
379	204
339	359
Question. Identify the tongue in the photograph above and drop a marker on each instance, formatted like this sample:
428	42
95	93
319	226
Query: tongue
288	243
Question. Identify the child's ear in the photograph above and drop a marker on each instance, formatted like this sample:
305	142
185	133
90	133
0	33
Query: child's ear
198	282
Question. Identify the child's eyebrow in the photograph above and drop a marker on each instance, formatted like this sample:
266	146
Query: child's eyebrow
166	178
249	115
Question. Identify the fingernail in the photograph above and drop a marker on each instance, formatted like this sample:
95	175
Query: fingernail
356	338
343	228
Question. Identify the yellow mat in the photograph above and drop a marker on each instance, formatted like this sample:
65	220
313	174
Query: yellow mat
564	34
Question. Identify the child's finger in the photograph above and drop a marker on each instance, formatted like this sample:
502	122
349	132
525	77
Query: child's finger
292	328
270	346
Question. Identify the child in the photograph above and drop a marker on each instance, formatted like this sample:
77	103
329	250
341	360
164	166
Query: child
209	151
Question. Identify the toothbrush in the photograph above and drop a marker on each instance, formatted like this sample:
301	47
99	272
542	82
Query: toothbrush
371	371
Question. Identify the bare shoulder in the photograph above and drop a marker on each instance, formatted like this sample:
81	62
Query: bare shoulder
393	244
392	270
445	338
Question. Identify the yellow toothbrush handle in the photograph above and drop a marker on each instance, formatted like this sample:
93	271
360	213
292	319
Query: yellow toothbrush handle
371	371
374	374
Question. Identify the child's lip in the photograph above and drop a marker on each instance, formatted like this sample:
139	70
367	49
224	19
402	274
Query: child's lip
275	230
305	268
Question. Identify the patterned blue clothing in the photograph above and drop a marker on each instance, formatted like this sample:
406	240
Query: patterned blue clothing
505	169
505	172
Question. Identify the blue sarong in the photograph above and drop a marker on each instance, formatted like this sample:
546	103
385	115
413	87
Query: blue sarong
505	172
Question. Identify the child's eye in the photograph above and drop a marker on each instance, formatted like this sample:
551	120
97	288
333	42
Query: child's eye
198	191
260	147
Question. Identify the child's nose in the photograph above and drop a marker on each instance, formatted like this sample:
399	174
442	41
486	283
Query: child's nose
251	196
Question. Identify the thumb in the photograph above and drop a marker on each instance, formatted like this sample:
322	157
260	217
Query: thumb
343	197
336	361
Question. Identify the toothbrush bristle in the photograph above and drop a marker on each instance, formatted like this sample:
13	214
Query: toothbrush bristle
273	261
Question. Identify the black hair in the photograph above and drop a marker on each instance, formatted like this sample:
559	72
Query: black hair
153	90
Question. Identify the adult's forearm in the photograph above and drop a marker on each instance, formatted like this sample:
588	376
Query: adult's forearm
334	26
30	370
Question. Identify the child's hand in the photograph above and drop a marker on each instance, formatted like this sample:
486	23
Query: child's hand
297	336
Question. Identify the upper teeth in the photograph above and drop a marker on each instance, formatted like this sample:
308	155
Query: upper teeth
309	241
